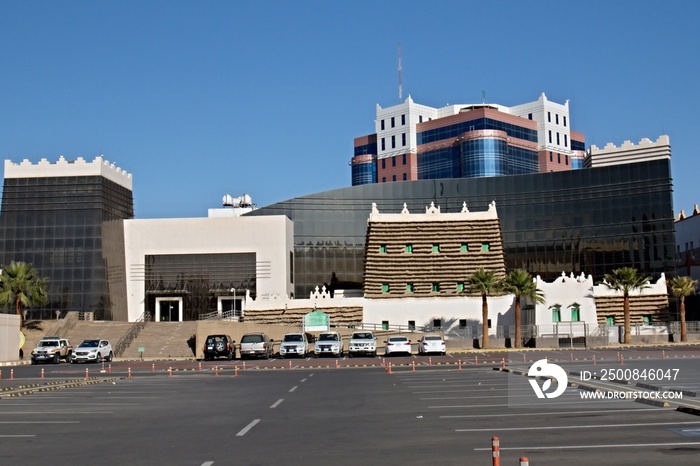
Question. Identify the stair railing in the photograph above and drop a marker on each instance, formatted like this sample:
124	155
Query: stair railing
131	335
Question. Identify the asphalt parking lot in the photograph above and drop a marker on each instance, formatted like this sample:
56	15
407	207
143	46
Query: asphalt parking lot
171	412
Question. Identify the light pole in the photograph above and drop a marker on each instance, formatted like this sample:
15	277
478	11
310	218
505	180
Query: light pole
234	301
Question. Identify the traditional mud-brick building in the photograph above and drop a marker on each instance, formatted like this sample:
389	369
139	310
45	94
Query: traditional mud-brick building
431	254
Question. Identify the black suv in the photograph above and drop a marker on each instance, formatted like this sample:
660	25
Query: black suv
216	346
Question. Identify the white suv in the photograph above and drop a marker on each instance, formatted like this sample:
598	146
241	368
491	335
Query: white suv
363	342
294	344
329	343
92	351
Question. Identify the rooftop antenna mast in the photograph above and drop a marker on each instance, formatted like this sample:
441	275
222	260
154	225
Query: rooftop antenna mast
400	69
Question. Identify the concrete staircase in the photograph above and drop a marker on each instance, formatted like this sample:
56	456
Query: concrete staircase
163	340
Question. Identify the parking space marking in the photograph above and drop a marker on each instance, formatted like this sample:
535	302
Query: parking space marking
247	428
303	380
39	422
207	463
293	388
277	403
592	426
574	447
550	413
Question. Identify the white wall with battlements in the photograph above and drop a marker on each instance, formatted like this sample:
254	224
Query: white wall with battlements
78	167
628	152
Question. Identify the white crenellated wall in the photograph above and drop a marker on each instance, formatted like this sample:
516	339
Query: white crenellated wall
628	152
79	167
566	292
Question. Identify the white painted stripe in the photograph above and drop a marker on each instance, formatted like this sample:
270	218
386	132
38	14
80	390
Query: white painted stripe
311	375
247	428
593	426
552	413
293	388
277	403
39	422
22	413
303	380
512	405
435	392
207	463
573	447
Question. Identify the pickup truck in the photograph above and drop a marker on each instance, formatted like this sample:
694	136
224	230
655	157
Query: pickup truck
52	349
363	342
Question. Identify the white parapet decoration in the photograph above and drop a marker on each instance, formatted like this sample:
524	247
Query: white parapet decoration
78	167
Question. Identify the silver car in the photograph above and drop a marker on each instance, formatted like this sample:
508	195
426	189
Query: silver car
294	344
257	345
92	351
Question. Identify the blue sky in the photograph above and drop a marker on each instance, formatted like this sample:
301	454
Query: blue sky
198	99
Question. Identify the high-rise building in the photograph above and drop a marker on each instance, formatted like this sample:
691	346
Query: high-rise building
417	142
53	216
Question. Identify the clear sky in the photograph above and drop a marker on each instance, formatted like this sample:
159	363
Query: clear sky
198	99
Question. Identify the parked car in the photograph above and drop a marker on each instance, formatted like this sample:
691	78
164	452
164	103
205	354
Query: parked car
92	351
329	343
362	343
257	345
294	344
216	346
398	344
431	344
52	349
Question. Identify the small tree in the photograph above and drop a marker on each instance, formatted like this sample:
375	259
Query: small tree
681	288
21	286
520	283
485	283
626	279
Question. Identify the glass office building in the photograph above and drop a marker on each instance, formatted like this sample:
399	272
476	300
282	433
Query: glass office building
56	224
591	221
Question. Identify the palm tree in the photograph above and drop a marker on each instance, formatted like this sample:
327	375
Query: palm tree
626	279
681	288
520	283
21	286
485	283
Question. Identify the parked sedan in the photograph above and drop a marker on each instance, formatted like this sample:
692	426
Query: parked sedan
398	344
92	351
431	344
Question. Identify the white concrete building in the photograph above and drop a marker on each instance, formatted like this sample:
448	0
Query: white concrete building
169	259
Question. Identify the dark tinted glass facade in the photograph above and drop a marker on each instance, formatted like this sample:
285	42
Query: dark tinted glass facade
200	278
55	223
452	131
364	172
591	220
484	157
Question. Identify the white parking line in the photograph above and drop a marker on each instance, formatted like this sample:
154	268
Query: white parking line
293	388
247	428
573	447
311	375
550	413
593	426
207	463
39	422
277	403
303	380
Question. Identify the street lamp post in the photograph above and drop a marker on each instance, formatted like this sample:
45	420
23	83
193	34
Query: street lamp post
234	301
